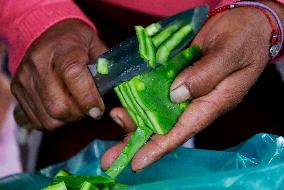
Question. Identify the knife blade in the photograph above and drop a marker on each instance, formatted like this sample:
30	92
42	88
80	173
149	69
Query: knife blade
124	61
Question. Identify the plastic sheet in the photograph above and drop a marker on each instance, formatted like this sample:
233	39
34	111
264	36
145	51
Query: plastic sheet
257	163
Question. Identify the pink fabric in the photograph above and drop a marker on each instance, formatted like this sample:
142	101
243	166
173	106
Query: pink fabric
22	22
160	8
9	151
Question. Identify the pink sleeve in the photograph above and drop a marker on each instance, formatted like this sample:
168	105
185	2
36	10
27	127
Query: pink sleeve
25	21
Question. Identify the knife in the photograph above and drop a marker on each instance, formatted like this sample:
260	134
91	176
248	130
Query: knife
124	61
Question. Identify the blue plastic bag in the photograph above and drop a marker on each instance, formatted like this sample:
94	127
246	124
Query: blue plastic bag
257	163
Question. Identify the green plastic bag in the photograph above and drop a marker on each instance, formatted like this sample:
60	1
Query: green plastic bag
257	163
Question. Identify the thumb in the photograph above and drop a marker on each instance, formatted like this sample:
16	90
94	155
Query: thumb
204	75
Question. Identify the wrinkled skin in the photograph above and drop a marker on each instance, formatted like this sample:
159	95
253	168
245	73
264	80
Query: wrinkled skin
236	50
52	84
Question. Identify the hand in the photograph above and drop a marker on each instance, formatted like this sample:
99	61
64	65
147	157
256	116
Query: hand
53	85
236	50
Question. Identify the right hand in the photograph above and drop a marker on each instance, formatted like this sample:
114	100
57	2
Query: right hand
216	83
53	85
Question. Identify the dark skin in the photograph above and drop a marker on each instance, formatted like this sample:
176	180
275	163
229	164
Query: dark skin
228	69
53	88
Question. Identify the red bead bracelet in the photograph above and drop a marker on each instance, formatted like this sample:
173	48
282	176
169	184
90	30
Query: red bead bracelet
277	29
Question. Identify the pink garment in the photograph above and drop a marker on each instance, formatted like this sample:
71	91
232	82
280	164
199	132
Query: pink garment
22	22
9	151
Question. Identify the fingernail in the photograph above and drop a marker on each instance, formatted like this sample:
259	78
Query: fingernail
180	94
95	113
117	120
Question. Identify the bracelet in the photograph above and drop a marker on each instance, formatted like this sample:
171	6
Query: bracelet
277	30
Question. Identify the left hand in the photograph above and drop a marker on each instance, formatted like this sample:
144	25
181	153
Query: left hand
236	50
52	84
